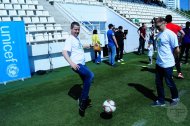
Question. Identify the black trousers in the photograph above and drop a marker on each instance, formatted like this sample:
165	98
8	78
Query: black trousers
165	73
141	45
120	51
185	48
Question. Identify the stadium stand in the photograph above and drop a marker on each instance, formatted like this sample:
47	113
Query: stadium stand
47	26
143	13
33	15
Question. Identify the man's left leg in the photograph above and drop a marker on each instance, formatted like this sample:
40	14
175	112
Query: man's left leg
170	83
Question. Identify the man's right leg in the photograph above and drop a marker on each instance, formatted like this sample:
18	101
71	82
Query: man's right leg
87	77
110	54
140	46
187	53
159	87
143	44
113	48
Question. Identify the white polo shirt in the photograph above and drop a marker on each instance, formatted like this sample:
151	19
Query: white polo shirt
74	46
166	42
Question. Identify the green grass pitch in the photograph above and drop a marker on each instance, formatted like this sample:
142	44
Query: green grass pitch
43	99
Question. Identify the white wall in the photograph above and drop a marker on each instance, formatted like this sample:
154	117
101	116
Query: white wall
38	54
102	13
87	12
132	41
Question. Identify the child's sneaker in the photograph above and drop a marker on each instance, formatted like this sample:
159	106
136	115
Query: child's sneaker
118	61
180	75
121	60
158	104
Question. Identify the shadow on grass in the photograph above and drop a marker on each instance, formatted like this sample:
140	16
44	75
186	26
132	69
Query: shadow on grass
144	62
151	70
106	62
148	93
75	91
136	53
144	90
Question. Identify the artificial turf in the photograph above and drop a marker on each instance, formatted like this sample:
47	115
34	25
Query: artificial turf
43	100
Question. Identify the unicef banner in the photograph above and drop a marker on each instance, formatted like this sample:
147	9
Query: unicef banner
14	63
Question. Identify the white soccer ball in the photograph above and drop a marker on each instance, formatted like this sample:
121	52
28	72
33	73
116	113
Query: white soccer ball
109	106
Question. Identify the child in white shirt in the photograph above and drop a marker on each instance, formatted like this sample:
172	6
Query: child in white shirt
150	52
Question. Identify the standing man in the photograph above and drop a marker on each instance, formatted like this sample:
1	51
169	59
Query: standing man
120	40
74	54
176	29
112	45
167	48
142	38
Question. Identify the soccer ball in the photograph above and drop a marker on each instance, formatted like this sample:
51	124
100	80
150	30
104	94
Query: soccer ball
109	106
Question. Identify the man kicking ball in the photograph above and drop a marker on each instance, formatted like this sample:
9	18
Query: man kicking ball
74	54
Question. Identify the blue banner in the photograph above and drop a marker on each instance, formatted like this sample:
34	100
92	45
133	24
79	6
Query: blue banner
14	63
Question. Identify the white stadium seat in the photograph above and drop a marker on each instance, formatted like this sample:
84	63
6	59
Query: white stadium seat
35	20
32	28
39	13
48	37
2	6
35	2
29	2
21	13
6	19
58	27
27	19
16	19
25	6
64	35
3	13
39	7
49	27
14	1
8	6
40	27
17	6
21	1
30	13
45	13
43	20
31	7
5	1
57	35
39	37
12	13
29	38
51	20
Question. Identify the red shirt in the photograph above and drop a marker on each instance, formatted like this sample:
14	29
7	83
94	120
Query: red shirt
143	31
173	27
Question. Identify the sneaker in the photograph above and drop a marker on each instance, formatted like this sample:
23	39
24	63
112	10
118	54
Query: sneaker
81	112
175	101
121	60
118	61
150	64
158	104
180	75
97	62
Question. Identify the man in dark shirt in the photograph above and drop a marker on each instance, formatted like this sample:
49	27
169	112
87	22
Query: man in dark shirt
120	40
142	38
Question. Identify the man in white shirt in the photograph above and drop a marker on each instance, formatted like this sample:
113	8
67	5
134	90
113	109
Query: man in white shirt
167	45
74	54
